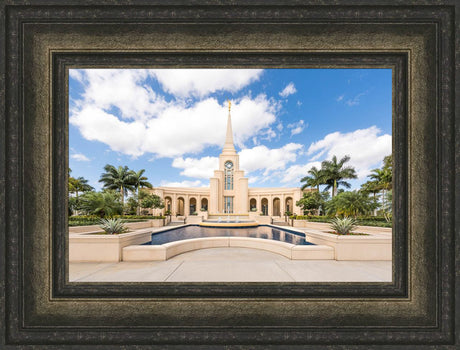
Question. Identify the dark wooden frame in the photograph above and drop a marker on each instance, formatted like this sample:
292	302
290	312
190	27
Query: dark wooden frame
44	39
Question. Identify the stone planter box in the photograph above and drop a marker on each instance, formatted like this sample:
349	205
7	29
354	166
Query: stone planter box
103	248
371	247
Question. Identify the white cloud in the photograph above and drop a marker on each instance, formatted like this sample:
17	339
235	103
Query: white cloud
294	173
355	100
123	89
263	158
76	74
297	128
340	98
149	124
366	148
96	125
202	168
288	90
253	179
79	157
201	82
185	183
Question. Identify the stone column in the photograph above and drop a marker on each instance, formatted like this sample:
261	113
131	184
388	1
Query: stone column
270	205
282	206
174	204
186	205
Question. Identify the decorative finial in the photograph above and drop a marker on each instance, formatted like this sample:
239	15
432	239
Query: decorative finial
229	105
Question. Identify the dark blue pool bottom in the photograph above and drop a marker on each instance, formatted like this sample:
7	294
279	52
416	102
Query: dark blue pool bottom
196	231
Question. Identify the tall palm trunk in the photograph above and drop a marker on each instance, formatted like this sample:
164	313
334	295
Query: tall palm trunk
138	209
383	201
375	210
122	197
334	189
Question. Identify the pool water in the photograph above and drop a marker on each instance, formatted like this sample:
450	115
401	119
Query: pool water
195	231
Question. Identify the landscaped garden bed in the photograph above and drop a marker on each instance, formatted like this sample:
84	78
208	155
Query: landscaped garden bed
376	221
85	220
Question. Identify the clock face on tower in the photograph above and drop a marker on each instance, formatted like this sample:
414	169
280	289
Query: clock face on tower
228	164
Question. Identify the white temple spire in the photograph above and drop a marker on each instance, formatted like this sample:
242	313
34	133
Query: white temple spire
229	148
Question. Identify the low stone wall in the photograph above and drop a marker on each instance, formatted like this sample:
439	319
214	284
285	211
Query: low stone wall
168	250
263	219
193	219
299	223
371	247
103	248
129	225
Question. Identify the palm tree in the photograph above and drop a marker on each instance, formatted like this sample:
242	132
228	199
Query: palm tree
383	179
371	187
105	203
120	179
335	172
138	180
351	204
81	185
315	179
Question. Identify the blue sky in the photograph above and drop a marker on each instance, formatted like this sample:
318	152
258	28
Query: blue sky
171	122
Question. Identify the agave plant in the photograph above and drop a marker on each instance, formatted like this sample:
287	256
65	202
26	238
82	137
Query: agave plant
112	226
343	226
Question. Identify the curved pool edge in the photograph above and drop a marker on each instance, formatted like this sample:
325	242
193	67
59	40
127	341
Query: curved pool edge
229	224
168	250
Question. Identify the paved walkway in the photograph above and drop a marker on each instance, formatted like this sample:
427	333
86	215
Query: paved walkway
232	265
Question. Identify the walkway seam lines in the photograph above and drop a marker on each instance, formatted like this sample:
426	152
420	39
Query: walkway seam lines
92	273
174	270
287	273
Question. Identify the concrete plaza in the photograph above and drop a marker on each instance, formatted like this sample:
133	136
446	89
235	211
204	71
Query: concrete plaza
232	265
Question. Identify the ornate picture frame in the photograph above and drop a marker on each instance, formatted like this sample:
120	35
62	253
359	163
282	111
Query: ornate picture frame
43	39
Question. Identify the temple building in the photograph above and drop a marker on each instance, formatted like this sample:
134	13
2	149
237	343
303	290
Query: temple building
228	192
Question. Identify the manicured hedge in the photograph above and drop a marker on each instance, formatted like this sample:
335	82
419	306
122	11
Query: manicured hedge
85	220
364	220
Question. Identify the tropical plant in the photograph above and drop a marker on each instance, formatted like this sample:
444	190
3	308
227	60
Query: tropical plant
139	181
314	179
335	171
80	184
148	200
383	181
74	205
102	204
132	205
371	187
351	204
120	179
343	226
310	201
113	226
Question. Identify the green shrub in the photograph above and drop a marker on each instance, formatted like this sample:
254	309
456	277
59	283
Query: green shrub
113	226
85	220
364	221
343	226
136	217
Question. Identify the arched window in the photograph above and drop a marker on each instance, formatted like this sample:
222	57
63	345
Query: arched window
228	175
